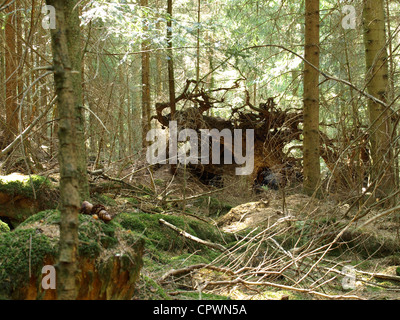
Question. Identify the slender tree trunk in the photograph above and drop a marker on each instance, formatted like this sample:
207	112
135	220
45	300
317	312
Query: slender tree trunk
11	75
171	79
122	116
136	110
158	55
69	148
145	82
130	148
198	45
73	35
311	99
391	93
377	85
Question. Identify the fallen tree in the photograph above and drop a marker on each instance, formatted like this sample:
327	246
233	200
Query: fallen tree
277	133
273	130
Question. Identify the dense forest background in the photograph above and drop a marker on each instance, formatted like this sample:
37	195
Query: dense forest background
316	80
125	52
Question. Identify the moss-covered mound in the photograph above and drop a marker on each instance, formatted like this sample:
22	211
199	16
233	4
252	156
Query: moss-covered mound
166	250
110	254
110	258
22	196
213	206
23	253
159	237
23	185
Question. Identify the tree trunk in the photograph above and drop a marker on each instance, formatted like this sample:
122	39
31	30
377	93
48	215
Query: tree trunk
73	34
391	94
171	77
11	75
158	56
377	86
69	148
171	80
198	45
311	99
145	82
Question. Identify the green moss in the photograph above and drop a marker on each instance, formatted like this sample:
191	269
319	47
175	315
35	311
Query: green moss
160	237
20	249
94	238
146	190
214	206
151	290
4	227
17	184
94	235
104	199
159	182
132	200
46	217
189	259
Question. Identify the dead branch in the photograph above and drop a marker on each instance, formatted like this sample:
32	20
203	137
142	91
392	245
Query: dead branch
100	173
381	276
177	272
382	214
183	233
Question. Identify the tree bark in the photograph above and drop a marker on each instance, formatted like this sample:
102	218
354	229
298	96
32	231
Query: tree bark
11	75
69	148
73	35
377	85
171	79
145	82
198	45
311	162
158	56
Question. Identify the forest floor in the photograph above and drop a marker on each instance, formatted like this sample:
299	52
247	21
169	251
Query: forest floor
279	244
204	242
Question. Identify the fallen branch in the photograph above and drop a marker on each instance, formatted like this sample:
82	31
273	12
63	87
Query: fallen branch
382	214
183	233
177	272
381	276
103	175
